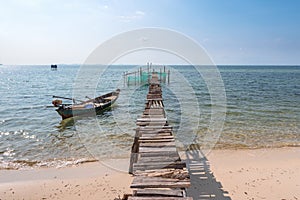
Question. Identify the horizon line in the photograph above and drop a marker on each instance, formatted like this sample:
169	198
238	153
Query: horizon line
154	64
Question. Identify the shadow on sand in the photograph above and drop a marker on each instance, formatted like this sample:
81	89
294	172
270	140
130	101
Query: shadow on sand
203	183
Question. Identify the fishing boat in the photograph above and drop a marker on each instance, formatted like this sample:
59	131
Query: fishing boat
53	67
85	108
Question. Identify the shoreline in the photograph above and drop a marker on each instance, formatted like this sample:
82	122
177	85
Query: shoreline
238	174
57	164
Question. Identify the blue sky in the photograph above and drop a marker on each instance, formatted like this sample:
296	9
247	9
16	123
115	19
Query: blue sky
231	31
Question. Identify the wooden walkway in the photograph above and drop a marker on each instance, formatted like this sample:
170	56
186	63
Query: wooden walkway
159	173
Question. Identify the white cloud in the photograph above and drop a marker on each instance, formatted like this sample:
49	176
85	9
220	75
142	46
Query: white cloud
135	16
140	13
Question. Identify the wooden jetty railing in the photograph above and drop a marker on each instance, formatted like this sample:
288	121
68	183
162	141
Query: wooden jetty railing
158	170
143	75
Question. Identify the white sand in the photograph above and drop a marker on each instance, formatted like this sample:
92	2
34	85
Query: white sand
87	181
248	174
225	174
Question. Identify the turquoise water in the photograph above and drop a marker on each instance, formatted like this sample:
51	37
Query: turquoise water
263	110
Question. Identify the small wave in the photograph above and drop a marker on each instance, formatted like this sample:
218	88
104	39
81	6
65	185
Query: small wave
26	164
31	107
237	146
4	133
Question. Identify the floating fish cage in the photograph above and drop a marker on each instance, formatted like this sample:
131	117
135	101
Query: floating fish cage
144	75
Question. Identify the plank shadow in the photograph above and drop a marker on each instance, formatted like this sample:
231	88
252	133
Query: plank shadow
203	182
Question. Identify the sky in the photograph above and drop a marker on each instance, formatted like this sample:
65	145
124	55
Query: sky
231	31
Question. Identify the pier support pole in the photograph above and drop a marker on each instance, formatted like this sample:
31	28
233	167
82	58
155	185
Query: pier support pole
160	75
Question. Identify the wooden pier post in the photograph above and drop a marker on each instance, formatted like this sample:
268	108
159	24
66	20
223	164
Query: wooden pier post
160	75
124	79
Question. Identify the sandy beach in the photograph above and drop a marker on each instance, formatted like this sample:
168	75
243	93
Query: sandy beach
247	174
223	174
85	181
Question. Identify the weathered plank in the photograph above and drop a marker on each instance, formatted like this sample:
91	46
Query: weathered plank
157	99
151	119
156	141
156	137
154	127
166	131
158	165
155	131
153	115
154	111
157	154
163	123
159	192
159	184
153	149
133	159
161	144
160	198
159	158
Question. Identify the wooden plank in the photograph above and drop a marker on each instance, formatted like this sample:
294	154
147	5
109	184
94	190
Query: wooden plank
145	133
133	159
160	198
158	154
152	149
148	103
140	179
159	158
157	99
151	119
181	174
154	96
153	172
150	172
157	137
162	123
158	165
148	129
161	103
161	144
165	130
152	116
155	127
156	133
154	111
159	184
156	141
159	192
149	109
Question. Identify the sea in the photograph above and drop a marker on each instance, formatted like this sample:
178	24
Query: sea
260	109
